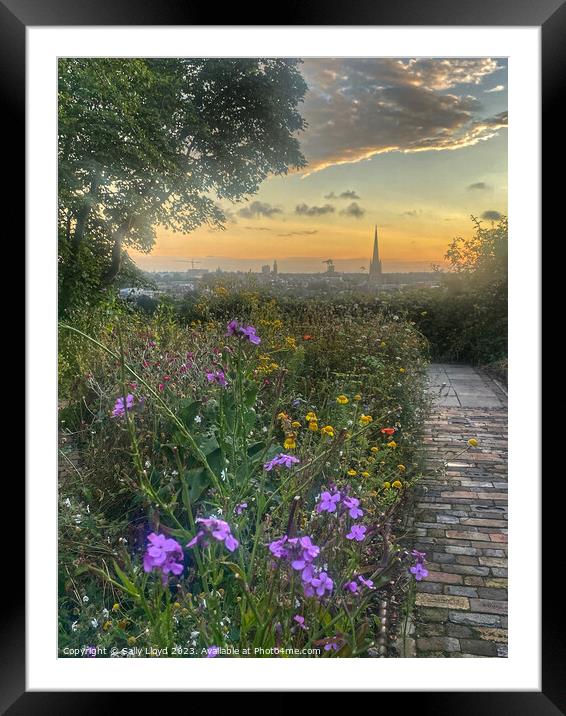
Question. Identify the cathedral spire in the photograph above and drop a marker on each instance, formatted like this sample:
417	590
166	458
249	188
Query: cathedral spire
375	263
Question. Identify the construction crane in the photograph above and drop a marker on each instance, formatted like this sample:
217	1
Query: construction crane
329	265
193	262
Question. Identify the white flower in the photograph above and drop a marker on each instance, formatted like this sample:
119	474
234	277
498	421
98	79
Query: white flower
198	419
174	473
194	634
264	429
67	502
147	464
74	626
88	509
105	612
85	599
223	475
94	623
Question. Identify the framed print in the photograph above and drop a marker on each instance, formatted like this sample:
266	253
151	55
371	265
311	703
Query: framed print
283	360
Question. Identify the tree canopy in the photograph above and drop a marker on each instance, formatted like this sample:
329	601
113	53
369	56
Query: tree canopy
157	142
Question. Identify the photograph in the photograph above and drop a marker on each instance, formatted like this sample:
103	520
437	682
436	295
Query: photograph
282	298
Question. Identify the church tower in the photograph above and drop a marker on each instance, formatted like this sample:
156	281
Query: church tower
375	263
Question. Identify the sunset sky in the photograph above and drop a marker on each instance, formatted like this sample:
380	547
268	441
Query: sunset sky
412	145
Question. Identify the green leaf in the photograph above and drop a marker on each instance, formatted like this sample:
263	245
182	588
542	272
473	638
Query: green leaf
128	584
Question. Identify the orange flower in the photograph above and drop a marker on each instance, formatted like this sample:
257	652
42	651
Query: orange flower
388	431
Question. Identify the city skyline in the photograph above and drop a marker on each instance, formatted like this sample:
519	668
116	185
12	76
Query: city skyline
415	146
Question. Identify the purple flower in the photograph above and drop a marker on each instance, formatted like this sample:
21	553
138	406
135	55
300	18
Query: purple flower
218	377
212	651
249	332
366	582
119	409
357	532
281	459
418	555
352	505
164	555
351	587
303	551
419	571
218	529
328	502
278	548
240	508
300	621
232	327
319	585
331	645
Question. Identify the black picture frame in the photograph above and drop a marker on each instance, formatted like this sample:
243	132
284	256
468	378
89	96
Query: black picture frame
550	16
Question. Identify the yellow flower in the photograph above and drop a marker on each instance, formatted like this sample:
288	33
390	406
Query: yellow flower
365	419
289	443
365	473
402	468
382	344
282	416
374	449
402	370
342	400
176	605
472	442
291	342
371	459
313	425
386	485
392	444
295	424
115	607
357	397
328	430
352	472
131	640
107	625
397	484
310	416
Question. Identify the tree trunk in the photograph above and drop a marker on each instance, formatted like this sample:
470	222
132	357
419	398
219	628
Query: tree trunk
116	260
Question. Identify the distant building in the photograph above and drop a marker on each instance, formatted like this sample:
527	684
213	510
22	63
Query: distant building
375	269
275	268
266	269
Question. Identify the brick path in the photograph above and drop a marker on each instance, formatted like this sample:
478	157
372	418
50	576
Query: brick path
461	519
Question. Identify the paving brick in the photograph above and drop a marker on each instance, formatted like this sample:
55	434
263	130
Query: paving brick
444	577
477	536
446	643
474	619
492	634
479	647
442	601
488	606
459	591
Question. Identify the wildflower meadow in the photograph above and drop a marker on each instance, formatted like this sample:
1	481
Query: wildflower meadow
241	482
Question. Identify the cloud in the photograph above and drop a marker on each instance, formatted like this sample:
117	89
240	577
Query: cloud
357	108
314	210
412	213
478	186
257	228
344	195
257	209
491	215
497	88
354	210
308	232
